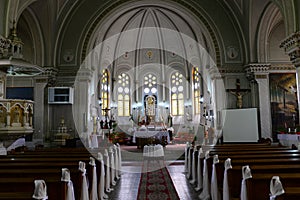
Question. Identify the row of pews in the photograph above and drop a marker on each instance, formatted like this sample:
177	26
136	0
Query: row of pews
244	171
61	173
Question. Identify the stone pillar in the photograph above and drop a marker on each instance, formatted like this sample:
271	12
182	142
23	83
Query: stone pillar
40	111
81	102
291	47
40	132
218	96
260	73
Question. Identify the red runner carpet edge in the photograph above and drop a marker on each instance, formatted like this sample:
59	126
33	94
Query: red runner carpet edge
156	182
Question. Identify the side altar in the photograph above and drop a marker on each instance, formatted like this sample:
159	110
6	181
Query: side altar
16	117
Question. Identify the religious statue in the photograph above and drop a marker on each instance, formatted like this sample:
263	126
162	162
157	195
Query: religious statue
239	93
239	98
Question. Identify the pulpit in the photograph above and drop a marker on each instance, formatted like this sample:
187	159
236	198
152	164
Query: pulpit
16	118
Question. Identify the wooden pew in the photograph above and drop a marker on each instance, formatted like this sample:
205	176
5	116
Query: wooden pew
248	155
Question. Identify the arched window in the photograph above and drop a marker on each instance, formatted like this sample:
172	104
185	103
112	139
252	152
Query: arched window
123	95
197	89
177	94
105	89
150	84
150	94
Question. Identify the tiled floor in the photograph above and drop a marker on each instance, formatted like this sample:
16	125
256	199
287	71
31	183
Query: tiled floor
127	187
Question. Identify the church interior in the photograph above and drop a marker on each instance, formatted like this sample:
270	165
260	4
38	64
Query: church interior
137	89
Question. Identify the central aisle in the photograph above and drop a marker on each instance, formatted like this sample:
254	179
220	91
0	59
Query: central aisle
128	186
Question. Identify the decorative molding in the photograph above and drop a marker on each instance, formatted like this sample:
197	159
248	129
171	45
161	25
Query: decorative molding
256	71
282	67
291	46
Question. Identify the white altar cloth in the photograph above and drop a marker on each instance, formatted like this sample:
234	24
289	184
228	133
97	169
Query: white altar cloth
289	139
148	134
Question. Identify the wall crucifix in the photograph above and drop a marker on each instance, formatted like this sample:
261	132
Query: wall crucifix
239	93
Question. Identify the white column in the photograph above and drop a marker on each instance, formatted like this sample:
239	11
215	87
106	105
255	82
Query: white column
261	76
81	101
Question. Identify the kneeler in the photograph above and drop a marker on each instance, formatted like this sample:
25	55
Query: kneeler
93	191
227	165
101	185
84	187
246	171
199	170
69	189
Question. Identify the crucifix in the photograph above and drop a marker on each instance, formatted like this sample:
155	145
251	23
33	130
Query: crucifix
239	93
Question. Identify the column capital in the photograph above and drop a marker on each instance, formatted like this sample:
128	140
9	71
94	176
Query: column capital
291	46
84	74
257	70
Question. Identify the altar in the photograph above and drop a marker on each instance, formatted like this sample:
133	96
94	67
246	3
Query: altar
289	139
147	137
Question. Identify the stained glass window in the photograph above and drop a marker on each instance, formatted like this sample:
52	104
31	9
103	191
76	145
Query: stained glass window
105	88
197	89
177	94
123	95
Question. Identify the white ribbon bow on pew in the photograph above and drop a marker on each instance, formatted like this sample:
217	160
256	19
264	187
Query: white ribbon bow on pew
94	194
40	190
205	194
101	185
107	172
65	177
246	171
84	188
214	181
186	151
227	166
199	171
276	188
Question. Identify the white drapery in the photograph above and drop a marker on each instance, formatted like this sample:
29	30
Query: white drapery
112	166
186	151
246	171
66	177
107	172
276	188
199	171
40	190
214	181
93	193
227	166
205	194
101	184
84	187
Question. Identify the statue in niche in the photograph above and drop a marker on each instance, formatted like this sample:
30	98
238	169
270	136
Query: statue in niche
16	114
150	107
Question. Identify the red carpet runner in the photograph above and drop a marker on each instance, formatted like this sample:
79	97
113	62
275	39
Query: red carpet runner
157	184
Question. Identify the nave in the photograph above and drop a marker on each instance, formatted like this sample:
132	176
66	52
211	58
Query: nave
224	171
